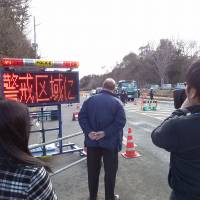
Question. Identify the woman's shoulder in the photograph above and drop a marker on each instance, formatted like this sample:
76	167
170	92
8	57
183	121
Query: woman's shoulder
26	171
31	170
23	174
33	181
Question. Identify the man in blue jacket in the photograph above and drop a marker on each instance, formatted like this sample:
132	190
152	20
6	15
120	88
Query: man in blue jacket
102	119
180	135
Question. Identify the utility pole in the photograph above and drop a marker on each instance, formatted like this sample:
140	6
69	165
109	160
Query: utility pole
34	30
35	45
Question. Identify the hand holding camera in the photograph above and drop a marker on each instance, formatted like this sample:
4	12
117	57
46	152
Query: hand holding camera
185	104
179	97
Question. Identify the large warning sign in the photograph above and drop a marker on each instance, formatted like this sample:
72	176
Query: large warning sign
41	87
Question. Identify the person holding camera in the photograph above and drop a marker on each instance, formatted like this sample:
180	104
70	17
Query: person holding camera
180	135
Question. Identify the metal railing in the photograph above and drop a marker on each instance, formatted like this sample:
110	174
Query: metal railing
57	140
68	166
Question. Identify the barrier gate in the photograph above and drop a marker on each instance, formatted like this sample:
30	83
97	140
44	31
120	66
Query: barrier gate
53	148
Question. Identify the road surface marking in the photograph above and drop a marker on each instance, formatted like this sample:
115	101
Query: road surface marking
153	126
159	114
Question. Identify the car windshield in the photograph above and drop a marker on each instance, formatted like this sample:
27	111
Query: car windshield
129	85
180	85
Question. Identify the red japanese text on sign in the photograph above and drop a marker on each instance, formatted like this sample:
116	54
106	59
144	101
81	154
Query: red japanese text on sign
46	87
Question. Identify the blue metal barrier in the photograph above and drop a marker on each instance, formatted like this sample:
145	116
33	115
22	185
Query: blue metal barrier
53	149
45	115
56	147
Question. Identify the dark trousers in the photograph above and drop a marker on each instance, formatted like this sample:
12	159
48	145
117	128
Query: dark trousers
172	196
177	196
94	161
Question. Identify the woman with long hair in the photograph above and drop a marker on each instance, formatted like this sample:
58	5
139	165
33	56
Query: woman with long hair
22	176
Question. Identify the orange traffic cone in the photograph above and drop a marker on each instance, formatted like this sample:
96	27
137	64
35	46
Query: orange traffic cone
145	95
75	116
130	147
76	113
77	106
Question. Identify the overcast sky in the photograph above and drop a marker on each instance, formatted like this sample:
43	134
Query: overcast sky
100	33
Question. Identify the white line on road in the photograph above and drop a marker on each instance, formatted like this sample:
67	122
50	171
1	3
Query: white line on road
166	113
146	114
158	114
159	118
142	123
144	128
137	123
150	111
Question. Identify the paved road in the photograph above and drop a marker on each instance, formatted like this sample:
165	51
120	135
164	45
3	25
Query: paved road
143	178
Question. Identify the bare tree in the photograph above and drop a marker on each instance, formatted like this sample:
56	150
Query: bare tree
163	57
189	49
167	62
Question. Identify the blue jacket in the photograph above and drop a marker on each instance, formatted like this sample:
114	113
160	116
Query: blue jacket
103	112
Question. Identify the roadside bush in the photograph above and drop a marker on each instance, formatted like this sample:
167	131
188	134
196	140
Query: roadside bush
164	93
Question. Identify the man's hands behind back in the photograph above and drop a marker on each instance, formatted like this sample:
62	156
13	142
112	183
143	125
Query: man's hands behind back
100	134
96	135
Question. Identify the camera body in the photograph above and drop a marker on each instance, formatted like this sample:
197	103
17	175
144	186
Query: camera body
179	97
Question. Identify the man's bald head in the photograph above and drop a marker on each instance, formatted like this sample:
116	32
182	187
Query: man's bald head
109	84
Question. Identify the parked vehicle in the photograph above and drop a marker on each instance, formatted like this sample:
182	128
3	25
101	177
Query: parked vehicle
167	86
180	86
92	92
155	87
130	87
98	90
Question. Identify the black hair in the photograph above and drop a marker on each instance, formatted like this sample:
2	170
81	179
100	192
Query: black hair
193	76
14	133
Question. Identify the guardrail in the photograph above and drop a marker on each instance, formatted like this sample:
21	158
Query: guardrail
55	141
68	166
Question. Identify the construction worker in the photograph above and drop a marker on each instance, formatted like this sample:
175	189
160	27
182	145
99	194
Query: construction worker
179	134
102	119
138	91
124	97
151	93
